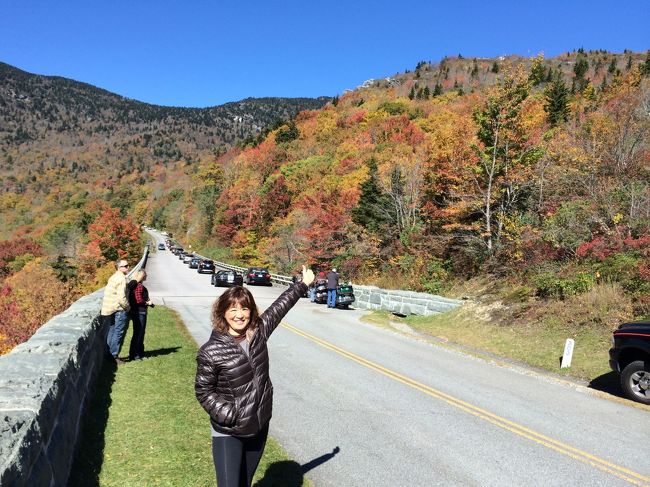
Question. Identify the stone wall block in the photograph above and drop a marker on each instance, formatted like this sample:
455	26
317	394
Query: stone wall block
60	449
41	473
21	445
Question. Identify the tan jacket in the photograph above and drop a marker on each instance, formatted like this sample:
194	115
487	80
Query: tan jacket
115	295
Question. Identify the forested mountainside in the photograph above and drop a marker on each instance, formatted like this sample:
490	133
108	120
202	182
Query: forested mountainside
49	122
532	173
529	174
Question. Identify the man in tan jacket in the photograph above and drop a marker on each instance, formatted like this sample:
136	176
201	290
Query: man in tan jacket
115	309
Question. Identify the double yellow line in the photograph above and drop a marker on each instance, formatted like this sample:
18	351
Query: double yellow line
599	463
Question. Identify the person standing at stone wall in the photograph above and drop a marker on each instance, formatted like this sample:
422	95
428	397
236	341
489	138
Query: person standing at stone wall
115	309
139	302
332	284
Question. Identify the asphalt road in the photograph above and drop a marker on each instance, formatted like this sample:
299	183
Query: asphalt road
358	405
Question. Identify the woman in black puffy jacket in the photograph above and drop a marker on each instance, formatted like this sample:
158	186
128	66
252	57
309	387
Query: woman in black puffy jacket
232	379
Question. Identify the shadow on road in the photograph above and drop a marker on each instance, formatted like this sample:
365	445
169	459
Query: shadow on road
89	457
609	383
288	473
161	351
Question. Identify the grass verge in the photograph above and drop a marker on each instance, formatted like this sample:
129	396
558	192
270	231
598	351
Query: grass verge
538	346
144	426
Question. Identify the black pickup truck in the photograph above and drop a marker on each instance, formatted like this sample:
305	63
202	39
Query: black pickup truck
630	357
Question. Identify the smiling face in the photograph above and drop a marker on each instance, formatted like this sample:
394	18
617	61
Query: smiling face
235	311
238	317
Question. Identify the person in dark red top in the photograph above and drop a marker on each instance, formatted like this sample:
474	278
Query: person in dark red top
139	301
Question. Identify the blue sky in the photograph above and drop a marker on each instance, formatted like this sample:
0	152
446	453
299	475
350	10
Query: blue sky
204	53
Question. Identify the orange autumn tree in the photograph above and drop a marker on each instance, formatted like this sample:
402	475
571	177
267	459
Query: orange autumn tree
28	299
113	236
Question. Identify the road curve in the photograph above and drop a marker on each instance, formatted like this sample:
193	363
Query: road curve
358	405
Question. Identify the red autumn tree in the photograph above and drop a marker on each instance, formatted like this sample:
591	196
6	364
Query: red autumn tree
113	236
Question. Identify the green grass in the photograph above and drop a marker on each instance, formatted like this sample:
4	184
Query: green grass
538	346
145	428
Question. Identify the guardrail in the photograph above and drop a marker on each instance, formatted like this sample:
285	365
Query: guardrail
370	297
277	278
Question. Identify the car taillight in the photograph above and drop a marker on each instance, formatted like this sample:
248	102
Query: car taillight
267	275
250	274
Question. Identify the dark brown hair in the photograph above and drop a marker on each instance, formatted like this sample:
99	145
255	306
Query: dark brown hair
234	295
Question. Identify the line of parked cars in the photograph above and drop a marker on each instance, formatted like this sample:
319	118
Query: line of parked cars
254	276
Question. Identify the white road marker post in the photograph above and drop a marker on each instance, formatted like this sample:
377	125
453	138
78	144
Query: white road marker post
568	353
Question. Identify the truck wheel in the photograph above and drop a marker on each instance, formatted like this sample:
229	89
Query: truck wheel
635	380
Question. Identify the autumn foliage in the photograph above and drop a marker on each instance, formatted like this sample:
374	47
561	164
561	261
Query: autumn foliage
531	171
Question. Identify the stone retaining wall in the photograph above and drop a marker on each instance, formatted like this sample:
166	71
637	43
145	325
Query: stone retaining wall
402	302
44	385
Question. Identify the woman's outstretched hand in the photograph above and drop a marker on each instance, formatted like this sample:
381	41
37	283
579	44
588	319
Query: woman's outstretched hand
307	275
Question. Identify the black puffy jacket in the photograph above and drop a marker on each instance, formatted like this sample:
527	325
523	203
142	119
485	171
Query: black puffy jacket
234	389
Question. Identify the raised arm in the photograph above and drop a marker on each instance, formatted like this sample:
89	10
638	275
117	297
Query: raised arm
271	318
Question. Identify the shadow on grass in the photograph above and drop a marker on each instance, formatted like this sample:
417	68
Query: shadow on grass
89	456
609	383
288	473
161	351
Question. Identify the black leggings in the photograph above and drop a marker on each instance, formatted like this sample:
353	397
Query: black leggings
236	459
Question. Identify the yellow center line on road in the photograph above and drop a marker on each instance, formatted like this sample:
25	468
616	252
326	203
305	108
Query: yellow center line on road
555	445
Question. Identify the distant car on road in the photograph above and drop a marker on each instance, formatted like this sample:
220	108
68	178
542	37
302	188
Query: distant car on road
227	278
630	357
194	263
161	246
206	266
187	258
258	275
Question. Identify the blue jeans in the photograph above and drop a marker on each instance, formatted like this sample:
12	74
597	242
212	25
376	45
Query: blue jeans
116	332
331	298
136	349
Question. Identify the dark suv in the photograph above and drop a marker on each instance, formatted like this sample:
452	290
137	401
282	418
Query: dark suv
630	357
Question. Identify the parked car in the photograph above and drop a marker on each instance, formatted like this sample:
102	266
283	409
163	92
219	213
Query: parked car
206	267
194	263
344	296
161	246
227	278
187	258
176	250
630	357
258	275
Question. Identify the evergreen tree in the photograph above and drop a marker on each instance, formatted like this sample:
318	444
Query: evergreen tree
287	133
412	92
557	101
628	66
495	67
612	66
369	210
537	71
645	67
426	93
580	69
549	75
437	90
474	72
